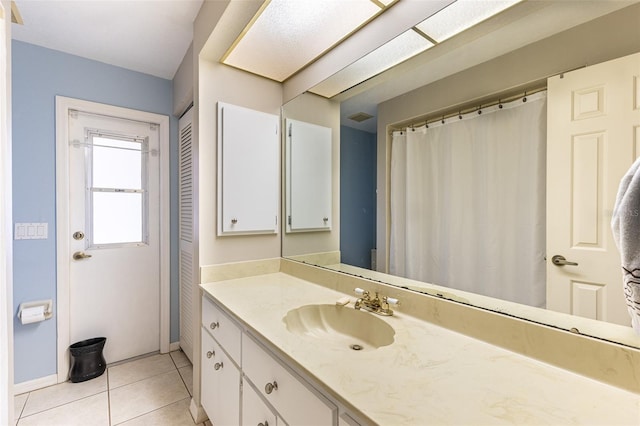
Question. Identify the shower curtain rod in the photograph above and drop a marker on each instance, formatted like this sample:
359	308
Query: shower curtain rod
436	117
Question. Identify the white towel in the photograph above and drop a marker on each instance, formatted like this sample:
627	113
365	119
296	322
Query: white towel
626	233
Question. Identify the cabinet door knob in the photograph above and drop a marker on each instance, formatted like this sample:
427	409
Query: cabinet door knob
210	354
266	423
214	325
218	366
270	387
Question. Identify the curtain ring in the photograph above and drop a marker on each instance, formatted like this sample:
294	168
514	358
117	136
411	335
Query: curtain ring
500	103
480	110
460	115
443	119
524	99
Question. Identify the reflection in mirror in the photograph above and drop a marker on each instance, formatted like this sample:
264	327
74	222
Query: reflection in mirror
307	177
313	110
502	57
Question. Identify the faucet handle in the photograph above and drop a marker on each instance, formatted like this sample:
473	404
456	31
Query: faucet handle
392	301
360	292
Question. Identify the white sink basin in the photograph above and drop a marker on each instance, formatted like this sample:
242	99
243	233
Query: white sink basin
340	325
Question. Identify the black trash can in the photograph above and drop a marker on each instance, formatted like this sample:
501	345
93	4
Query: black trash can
87	360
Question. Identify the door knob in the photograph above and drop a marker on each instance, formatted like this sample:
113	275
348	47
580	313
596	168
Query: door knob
560	260
79	255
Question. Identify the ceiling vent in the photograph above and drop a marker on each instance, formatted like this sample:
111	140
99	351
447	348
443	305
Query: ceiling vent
360	117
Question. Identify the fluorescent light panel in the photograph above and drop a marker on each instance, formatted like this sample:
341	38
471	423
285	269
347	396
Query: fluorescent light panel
401	48
289	34
461	15
451	20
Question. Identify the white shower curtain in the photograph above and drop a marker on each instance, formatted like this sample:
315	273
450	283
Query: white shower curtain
468	202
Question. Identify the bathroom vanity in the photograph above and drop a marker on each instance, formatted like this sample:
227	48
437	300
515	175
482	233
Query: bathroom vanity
264	362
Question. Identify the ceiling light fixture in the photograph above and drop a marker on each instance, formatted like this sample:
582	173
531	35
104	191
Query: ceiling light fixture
401	48
289	34
446	23
461	15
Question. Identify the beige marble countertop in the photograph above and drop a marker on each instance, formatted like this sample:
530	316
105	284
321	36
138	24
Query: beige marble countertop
430	375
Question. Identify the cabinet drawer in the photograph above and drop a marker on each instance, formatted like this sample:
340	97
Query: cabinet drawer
222	328
254	411
292	398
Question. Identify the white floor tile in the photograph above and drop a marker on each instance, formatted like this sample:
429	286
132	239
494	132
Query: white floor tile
18	404
187	377
63	393
93	410
142	397
176	414
180	359
140	369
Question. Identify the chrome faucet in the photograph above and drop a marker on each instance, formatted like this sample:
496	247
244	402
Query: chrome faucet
377	305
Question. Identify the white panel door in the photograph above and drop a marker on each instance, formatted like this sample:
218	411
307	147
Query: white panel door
114	241
592	140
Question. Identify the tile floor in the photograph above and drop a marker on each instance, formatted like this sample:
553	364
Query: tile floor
153	390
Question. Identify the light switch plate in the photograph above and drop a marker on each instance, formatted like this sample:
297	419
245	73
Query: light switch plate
31	231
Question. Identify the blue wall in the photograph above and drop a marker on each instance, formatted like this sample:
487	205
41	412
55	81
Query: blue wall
38	75
357	196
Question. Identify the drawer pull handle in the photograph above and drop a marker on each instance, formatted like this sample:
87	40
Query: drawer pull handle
266	423
214	325
217	366
211	353
270	387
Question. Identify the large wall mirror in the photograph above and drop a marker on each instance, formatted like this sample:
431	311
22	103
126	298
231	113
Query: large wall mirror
503	58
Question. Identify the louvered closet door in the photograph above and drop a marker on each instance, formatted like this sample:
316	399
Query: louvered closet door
187	250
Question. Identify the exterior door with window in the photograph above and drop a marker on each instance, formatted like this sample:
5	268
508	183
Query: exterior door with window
114	234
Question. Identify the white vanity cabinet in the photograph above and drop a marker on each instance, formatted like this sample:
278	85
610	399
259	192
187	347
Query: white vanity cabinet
296	402
220	372
220	391
244	383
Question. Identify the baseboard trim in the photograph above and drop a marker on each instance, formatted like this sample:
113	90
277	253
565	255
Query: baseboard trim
35	384
175	346
197	412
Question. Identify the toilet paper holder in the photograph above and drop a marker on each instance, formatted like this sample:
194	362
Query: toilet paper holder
46	304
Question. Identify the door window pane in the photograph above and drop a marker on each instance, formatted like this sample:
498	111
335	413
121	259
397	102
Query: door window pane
117	163
117	217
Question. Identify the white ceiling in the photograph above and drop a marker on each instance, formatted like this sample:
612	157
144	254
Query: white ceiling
152	36
149	36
